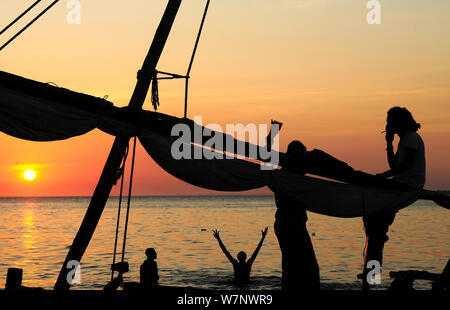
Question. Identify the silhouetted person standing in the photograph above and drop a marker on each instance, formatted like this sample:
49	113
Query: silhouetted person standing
407	172
241	267
149	270
300	271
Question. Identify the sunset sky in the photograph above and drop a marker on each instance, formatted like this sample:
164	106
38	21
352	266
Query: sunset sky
315	65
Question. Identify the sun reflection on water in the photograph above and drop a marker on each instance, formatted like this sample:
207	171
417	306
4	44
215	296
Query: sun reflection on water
30	239
35	235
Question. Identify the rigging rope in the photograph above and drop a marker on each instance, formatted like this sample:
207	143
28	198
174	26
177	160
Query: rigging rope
129	199
154	75
19	17
155	91
29	24
192	58
120	175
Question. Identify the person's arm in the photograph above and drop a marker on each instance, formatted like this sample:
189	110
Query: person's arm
392	159
411	144
222	246
269	139
252	259
400	168
156	271
142	274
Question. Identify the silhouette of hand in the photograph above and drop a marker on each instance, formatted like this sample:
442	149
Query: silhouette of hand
264	232
273	122
389	135
389	138
216	234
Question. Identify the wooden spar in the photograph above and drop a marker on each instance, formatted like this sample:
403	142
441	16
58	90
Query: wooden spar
108	176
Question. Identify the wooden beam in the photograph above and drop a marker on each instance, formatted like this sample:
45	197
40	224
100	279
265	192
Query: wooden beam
107	179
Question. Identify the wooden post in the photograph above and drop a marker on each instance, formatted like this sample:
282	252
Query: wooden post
107	179
14	279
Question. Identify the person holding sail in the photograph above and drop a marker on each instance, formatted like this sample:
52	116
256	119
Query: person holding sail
300	270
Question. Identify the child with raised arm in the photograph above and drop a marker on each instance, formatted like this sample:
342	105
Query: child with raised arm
241	266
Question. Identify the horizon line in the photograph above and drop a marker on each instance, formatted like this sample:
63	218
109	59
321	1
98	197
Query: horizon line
156	196
138	196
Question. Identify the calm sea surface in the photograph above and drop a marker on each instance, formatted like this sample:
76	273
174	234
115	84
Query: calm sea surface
35	234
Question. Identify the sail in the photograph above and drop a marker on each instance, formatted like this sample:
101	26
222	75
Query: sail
315	195
40	112
37	111
37	119
215	174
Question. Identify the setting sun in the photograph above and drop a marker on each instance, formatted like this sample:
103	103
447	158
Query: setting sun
29	175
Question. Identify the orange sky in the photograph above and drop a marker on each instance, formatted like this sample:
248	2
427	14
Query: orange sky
315	65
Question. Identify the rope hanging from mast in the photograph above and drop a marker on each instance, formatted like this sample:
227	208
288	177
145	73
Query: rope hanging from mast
170	76
121	174
154	98
155	91
27	25
155	102
129	199
192	58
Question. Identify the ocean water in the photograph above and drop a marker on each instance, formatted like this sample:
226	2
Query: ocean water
35	234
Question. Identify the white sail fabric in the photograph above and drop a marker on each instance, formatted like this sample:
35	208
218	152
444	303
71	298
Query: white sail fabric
316	195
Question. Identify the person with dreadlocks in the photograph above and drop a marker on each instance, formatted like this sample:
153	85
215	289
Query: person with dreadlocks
407	172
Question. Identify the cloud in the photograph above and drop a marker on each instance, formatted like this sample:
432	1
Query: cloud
23	167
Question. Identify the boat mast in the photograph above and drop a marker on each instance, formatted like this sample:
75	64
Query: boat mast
108	176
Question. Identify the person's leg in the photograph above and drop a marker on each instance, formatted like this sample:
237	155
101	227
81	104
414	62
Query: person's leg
305	261
281	236
376	228
372	181
300	268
